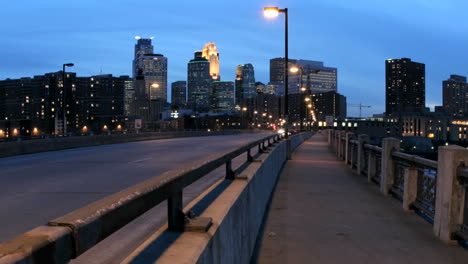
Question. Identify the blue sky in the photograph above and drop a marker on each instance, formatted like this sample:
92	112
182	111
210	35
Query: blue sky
354	36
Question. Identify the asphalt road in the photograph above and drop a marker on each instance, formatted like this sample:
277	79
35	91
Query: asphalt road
39	187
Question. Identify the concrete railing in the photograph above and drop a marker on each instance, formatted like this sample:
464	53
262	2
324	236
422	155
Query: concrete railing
42	145
434	189
67	237
237	215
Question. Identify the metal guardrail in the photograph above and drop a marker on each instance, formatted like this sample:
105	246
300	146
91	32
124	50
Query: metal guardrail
94	222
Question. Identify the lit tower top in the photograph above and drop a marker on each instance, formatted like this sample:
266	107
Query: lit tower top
210	52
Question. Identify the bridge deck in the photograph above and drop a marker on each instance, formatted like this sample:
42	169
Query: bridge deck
323	213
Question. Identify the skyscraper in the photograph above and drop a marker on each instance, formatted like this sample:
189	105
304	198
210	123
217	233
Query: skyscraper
315	77
405	86
455	95
245	82
277	73
223	96
152	66
179	93
142	47
199	83
154	69
210	52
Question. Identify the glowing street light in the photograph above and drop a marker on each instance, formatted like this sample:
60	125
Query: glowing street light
273	12
294	69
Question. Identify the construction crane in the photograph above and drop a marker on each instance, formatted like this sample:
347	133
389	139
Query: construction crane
360	107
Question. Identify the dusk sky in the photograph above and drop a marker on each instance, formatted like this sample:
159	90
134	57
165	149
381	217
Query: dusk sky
354	36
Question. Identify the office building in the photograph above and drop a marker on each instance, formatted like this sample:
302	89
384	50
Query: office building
179	94
199	83
39	106
222	99
455	96
245	82
129	98
313	76
154	70
329	104
405	87
277	73
142	47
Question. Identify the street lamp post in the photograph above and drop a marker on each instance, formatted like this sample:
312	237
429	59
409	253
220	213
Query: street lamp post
272	12
64	99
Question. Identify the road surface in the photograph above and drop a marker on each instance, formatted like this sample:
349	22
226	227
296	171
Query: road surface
39	187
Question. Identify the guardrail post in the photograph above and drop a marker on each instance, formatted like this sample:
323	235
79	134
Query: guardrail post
330	136
347	156
249	156
176	217
410	189
388	146
229	172
362	139
450	197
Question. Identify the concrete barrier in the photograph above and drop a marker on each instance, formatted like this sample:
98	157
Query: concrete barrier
8	149
237	215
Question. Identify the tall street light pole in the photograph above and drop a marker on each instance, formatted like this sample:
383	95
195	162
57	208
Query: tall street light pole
272	12
64	99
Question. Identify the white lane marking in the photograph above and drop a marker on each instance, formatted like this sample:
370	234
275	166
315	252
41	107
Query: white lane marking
140	160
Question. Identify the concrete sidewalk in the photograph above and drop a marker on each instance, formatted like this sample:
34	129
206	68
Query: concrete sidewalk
323	213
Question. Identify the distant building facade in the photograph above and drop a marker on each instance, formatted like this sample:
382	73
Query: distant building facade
245	82
179	94
405	86
222	99
313	76
154	70
329	104
142	47
277	73
199	83
455	96
36	106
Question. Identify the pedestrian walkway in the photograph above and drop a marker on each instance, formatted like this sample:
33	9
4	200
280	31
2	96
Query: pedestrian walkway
321	212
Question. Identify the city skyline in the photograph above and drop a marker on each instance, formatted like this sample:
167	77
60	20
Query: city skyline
357	40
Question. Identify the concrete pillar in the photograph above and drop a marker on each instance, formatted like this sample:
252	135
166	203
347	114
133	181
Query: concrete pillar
410	188
347	156
388	146
329	136
362	139
371	167
450	197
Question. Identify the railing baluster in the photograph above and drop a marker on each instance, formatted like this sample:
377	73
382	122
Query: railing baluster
175	215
